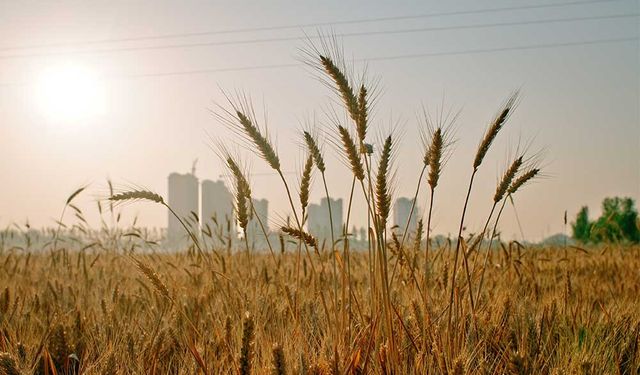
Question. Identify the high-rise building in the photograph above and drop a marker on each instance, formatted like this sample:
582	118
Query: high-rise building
183	199
319	224
401	211
255	235
217	207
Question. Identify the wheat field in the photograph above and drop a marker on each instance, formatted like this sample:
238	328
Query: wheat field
100	312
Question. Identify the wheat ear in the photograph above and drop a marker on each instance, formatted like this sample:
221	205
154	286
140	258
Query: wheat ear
301	235
262	143
305	183
342	85
383	198
314	150
351	152
493	130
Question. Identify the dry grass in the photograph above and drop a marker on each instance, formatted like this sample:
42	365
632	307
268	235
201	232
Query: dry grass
113	312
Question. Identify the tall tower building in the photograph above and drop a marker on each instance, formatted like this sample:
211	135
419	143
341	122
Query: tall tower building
401	211
319	224
217	207
183	199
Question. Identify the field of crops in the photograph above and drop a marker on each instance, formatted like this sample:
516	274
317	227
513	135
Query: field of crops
103	312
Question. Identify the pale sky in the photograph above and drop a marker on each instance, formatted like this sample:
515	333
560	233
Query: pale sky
143	104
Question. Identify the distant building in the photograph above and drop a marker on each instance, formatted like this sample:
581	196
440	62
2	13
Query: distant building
255	235
401	211
217	207
183	199
319	224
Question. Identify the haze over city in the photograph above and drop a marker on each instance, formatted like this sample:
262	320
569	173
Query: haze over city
87	94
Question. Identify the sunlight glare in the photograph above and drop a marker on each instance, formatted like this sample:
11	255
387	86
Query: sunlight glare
70	92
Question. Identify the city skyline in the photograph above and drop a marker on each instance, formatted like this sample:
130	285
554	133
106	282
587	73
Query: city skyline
212	203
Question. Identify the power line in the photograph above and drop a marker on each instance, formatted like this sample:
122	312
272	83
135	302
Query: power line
300	26
379	58
343	35
395	57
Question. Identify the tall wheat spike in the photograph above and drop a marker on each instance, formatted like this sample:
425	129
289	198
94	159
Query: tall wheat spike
434	158
314	150
363	110
343	86
305	182
351	152
507	178
242	193
383	198
493	130
262	143
523	179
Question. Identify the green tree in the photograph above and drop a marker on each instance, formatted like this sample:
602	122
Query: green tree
618	223
582	227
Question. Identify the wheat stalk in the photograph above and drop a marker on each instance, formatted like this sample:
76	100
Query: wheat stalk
523	179
434	157
361	121
301	235
501	189
342	85
246	350
153	277
507	178
516	184
493	129
383	198
351	152
262	143
135	195
305	183
314	150
242	193
490	135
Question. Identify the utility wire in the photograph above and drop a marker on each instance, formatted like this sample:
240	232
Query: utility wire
298	38
394	57
378	58
304	25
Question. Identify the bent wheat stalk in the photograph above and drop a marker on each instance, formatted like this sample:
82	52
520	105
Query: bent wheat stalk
490	135
146	195
513	188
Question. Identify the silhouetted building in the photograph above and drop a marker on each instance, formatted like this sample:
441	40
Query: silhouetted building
217	207
319	224
401	211
183	199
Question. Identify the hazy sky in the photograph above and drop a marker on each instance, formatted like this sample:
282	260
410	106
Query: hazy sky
581	102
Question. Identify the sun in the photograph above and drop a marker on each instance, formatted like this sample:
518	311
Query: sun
70	93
